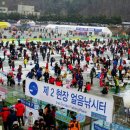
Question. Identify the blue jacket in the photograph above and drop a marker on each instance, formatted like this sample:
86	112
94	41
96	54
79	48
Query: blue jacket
39	73
30	75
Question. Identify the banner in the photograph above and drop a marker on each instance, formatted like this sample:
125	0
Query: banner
98	127
86	104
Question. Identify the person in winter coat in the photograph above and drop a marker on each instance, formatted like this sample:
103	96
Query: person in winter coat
92	74
74	125
105	90
101	81
16	126
80	85
48	57
59	71
56	69
30	121
88	59
13	65
39	74
51	80
47	66
20	109
42	124
120	68
10	78
30	74
10	62
115	62
53	113
36	66
116	81
74	82
1	63
23	85
25	62
114	72
70	67
52	60
36	125
19	77
58	82
47	115
43	56
5	113
87	87
11	118
20	69
46	77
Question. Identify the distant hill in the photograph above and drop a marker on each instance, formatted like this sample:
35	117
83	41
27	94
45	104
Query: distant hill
77	7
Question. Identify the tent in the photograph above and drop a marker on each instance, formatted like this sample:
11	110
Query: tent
4	25
88	29
27	22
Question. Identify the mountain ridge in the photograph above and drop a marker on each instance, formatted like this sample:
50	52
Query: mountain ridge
87	8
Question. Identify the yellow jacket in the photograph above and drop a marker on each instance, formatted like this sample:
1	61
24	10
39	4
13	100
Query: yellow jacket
25	61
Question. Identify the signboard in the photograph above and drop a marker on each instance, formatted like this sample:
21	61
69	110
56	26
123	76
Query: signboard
98	30
60	114
81	29
79	102
98	127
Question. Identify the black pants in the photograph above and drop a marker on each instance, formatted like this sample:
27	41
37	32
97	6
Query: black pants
128	56
91	81
20	118
24	65
80	88
6	126
46	80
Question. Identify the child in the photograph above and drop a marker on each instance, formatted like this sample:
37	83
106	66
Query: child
19	77
105	90
87	87
10	79
30	121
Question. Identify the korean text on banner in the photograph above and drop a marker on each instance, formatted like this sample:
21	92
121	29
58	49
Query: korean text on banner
89	105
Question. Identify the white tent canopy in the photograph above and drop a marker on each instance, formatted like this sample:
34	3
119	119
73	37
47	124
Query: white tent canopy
31	23
92	29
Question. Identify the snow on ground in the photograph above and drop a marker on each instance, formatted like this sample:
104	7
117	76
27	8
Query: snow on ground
95	88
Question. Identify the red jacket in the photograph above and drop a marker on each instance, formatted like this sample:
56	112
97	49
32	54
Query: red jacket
5	113
58	83
51	80
88	87
20	109
87	58
70	67
120	67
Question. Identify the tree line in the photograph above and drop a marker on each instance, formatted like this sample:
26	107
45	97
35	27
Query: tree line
61	18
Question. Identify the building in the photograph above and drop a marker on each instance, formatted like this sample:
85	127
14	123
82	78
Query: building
3	10
27	10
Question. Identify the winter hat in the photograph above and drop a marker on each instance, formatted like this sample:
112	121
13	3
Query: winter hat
15	123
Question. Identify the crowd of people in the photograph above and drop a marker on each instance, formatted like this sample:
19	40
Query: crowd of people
14	118
74	64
